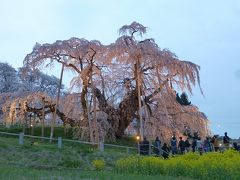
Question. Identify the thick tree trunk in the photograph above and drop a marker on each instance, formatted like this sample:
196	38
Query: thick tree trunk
121	117
85	124
113	115
126	110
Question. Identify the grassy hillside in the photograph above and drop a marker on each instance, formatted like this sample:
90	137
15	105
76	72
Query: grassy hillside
45	161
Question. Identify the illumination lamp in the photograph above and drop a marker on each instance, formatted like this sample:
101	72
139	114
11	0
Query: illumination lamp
138	138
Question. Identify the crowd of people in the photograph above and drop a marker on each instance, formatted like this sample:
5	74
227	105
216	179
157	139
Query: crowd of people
181	146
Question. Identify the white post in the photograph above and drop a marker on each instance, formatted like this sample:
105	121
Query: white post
60	142
101	146
127	150
21	138
149	149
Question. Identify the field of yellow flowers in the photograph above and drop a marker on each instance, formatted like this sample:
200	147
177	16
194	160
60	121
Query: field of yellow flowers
208	166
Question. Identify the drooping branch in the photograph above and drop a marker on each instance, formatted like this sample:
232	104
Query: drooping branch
156	91
65	119
49	108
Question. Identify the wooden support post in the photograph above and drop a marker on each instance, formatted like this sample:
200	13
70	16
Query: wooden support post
56	106
138	147
25	121
139	84
43	116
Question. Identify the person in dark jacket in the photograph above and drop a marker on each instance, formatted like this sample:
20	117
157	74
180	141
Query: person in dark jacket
207	145
157	146
194	145
174	145
181	146
144	147
187	144
194	142
226	140
236	146
165	151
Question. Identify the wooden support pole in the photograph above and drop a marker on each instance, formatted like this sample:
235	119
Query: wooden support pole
56	106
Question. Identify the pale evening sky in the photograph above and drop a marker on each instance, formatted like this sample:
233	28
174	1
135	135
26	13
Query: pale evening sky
204	32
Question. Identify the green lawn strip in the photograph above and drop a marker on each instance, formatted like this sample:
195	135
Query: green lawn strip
43	160
41	153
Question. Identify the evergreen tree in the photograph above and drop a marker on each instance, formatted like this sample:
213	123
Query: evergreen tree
183	99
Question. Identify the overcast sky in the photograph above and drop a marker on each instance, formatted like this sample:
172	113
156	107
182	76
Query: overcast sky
206	32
